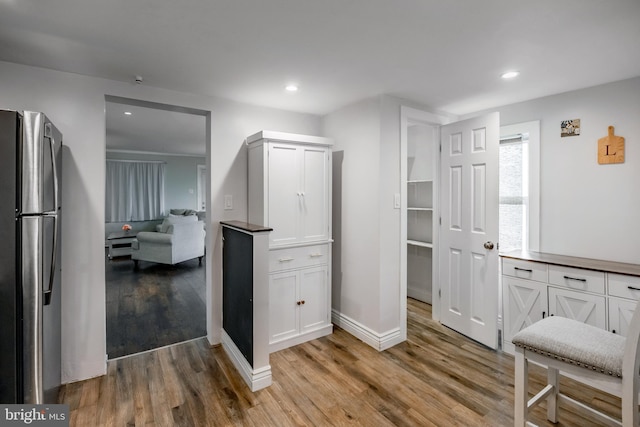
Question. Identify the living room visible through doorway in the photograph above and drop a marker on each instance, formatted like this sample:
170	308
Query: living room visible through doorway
155	225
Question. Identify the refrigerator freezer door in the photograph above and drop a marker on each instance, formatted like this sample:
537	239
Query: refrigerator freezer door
41	158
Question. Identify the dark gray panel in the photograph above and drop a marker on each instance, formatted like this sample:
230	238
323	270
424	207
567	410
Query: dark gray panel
237	290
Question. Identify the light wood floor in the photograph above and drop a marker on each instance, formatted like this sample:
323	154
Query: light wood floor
436	378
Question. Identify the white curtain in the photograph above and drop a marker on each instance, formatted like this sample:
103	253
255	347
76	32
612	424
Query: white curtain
135	191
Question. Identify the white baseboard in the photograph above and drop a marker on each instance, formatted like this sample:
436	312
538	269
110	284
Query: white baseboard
256	379
374	339
321	332
419	294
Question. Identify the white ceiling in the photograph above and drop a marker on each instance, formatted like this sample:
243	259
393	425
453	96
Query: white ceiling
445	54
154	130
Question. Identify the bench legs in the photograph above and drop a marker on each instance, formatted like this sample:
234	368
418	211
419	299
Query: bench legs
521	384
552	400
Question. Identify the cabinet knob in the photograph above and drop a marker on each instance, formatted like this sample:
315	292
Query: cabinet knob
489	245
298	302
302	301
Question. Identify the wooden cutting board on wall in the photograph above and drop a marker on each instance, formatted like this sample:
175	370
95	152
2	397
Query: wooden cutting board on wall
611	148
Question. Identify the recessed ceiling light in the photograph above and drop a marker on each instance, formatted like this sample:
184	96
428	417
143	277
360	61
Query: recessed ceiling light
291	88
510	74
127	113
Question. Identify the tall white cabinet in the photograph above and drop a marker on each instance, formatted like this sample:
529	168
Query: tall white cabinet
290	191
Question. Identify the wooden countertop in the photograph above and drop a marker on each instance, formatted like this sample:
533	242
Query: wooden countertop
245	226
570	261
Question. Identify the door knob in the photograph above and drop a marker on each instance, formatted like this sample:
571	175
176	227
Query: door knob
488	245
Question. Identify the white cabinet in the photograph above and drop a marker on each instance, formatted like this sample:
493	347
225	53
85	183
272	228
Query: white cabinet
581	306
299	305
290	191
525	302
536	285
290	187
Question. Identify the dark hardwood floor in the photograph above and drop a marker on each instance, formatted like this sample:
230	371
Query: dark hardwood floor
154	305
436	378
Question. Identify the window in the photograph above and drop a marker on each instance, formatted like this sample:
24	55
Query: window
519	187
134	190
514	192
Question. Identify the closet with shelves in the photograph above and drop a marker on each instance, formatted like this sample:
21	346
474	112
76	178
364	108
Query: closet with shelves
420	209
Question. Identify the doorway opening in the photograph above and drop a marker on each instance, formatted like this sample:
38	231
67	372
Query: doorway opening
419	171
160	302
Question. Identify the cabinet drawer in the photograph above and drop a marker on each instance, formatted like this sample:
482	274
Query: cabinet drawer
298	257
577	278
524	269
624	286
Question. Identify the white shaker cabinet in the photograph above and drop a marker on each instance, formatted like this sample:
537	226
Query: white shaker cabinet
290	192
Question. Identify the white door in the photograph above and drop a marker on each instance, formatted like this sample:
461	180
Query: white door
283	307
469	231
585	308
525	302
284	194
202	188
313	298
314	194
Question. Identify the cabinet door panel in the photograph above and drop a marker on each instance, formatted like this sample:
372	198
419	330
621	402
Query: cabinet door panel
283	308
586	308
315	194
314	292
525	302
284	194
620	313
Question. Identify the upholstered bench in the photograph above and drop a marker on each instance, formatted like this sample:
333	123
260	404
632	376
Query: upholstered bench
599	358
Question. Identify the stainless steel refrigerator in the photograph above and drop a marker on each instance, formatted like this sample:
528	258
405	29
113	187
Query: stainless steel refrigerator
30	286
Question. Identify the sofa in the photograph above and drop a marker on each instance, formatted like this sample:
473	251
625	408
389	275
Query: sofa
179	238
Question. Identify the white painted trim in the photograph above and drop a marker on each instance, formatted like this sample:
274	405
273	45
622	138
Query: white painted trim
378	341
199	185
299	339
155	153
256	379
288	137
533	129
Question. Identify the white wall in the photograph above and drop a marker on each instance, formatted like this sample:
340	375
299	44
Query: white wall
76	105
586	209
366	259
356	154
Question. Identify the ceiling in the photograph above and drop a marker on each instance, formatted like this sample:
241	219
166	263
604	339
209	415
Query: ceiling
445	54
154	130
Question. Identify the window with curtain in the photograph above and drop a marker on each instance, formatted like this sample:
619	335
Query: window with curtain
134	190
514	192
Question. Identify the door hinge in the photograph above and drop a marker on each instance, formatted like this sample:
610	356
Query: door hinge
440	220
440	147
439	293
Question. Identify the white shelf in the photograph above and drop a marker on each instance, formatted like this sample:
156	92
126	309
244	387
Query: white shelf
420	209
418	243
418	181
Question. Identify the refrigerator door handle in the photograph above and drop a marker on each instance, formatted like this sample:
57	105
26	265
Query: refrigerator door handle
54	167
54	258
